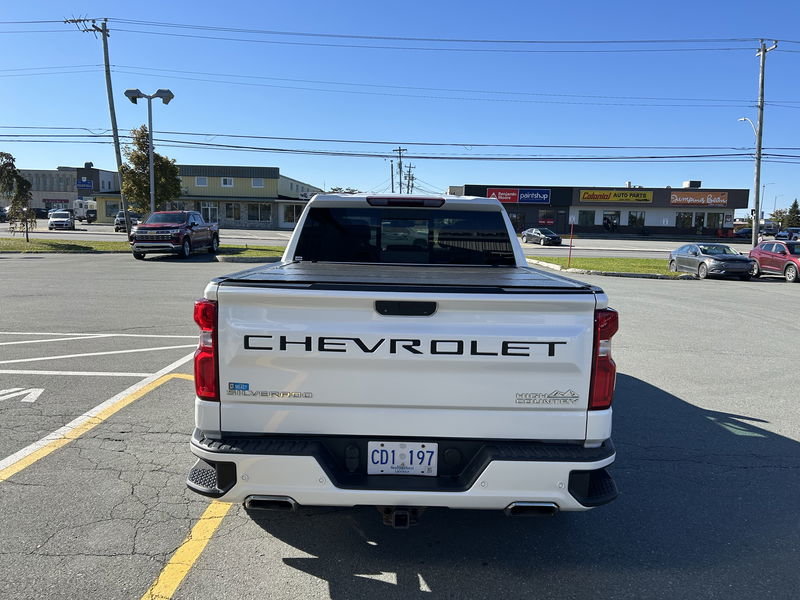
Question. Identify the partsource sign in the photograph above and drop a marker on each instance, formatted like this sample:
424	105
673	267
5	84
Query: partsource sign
614	196
681	198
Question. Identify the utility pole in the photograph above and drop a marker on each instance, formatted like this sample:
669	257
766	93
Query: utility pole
391	173
400	151
762	54
104	33
410	179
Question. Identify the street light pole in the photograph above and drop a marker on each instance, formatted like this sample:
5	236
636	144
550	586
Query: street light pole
150	149
166	96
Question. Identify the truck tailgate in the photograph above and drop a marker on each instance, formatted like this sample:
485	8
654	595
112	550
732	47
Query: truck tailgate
339	362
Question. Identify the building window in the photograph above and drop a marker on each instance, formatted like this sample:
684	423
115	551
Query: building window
201	181
586	218
259	212
636	218
547	216
209	211
714	220
112	208
683	220
227	181
291	212
699	220
257	182
233	210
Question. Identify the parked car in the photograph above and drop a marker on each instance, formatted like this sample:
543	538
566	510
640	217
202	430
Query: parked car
790	233
178	232
61	219
744	232
119	220
705	260
541	235
776	258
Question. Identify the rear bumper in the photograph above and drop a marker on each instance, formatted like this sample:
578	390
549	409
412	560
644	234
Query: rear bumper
309	471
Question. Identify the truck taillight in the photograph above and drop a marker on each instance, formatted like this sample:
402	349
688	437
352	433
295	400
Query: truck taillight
604	370
205	357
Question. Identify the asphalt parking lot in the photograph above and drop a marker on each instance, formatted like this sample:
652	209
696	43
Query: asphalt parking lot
96	400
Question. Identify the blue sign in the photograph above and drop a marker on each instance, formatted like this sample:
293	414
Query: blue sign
531	196
83	184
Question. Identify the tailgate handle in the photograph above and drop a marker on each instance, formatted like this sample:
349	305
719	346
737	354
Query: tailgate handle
400	308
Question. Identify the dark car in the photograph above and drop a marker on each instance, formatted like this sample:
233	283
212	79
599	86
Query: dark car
541	235
776	258
705	260
790	233
745	232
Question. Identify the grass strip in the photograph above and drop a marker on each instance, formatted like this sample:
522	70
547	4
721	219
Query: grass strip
654	266
37	245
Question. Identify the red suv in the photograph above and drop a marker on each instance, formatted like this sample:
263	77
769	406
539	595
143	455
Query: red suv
776	258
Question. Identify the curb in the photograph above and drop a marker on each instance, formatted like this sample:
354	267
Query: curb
606	273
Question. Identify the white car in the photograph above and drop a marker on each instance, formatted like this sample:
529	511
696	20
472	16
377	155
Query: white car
61	220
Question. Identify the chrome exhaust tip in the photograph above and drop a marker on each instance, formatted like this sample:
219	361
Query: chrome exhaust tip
531	509
280	503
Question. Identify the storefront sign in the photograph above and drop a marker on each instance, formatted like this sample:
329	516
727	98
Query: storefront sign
682	198
534	196
609	196
84	184
503	194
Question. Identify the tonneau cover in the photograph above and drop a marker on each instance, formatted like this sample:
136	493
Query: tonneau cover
306	274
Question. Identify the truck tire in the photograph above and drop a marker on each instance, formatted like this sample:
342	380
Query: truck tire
186	248
138	255
212	249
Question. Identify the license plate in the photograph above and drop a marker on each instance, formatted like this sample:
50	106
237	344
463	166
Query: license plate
402	458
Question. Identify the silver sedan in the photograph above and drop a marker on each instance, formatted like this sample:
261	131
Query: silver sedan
705	260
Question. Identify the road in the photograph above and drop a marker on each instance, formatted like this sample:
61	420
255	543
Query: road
582	247
706	427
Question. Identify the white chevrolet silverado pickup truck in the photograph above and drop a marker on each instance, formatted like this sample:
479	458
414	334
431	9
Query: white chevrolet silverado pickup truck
404	355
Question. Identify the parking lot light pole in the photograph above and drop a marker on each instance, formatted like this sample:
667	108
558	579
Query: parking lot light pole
166	96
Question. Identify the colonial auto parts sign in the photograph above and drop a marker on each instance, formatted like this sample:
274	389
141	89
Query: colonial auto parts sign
682	198
615	196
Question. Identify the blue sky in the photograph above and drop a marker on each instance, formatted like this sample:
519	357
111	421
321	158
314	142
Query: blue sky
300	86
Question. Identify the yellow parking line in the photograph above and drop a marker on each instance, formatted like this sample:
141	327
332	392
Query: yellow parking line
190	550
87	425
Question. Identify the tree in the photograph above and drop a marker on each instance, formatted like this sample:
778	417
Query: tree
793	215
779	216
17	189
341	190
136	175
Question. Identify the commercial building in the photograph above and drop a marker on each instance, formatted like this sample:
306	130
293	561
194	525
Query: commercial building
60	187
687	210
234	197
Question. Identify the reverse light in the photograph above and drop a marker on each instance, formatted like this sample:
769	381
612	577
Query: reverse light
206	367
604	369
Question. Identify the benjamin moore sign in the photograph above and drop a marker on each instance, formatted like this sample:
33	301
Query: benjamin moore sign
520	195
681	198
615	196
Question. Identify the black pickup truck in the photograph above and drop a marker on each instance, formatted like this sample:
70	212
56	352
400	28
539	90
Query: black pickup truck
178	232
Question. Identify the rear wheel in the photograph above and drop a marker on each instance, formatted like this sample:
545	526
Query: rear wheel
186	248
702	271
214	245
790	272
138	255
755	270
673	266
541	241
524	240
